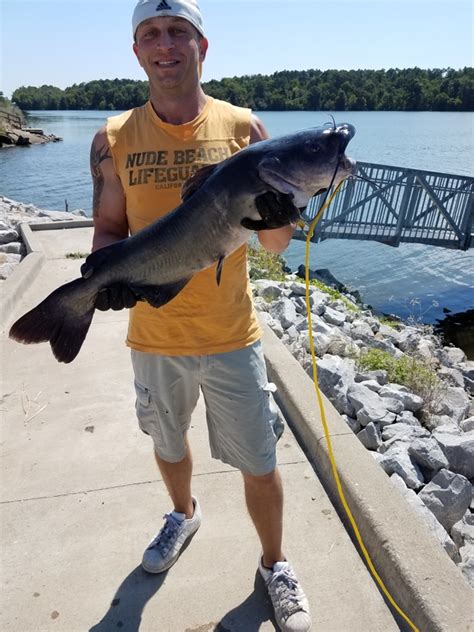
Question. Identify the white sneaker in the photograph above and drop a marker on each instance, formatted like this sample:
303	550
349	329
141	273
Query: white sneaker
164	549
288	599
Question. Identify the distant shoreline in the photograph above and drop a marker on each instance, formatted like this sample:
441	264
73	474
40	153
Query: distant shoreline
395	89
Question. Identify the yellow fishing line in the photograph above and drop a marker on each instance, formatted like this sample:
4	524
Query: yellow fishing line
325	425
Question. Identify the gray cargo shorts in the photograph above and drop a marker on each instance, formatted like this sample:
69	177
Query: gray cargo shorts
244	423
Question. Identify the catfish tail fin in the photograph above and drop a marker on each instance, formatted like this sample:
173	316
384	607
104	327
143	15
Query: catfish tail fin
62	319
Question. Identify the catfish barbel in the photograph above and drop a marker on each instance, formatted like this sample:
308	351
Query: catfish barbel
261	187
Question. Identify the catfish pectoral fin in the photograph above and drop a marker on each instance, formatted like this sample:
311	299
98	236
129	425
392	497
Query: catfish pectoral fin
220	264
158	295
63	319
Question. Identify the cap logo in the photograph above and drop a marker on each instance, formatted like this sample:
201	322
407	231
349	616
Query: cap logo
163	6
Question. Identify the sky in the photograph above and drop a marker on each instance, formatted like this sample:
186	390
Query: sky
62	42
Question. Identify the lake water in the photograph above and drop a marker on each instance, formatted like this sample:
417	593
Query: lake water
413	279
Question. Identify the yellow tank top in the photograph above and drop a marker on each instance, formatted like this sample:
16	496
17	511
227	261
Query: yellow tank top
153	159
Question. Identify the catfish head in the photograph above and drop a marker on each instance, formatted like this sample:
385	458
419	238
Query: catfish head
306	163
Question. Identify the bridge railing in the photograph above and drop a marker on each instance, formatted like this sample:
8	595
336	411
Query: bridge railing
396	204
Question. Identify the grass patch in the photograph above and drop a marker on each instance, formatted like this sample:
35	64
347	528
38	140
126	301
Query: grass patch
265	265
389	322
334	294
77	255
415	374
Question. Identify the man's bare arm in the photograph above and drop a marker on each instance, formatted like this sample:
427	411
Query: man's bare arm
275	240
110	219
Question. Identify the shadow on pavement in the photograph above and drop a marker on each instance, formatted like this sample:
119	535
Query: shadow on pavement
125	610
251	613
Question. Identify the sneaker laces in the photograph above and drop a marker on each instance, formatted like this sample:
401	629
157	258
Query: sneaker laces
283	585
167	535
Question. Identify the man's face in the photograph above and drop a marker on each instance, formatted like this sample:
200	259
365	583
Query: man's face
169	50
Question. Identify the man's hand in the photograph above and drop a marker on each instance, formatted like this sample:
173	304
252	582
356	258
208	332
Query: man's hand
116	297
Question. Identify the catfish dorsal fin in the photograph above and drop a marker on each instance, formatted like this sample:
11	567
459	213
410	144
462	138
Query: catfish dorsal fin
196	181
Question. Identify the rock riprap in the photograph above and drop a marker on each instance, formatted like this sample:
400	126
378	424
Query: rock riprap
12	214
423	436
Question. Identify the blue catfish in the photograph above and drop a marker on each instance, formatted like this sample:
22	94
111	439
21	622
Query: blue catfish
261	187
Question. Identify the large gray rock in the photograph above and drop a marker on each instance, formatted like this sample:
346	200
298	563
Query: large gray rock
333	370
467	425
397	461
333	317
372	385
335	375
291	334
393	405
370	436
353	424
284	311
321	326
409	400
462	531
339	344
274	325
360	329
426	351
451	377
455	355
300	305
321	343
298	289
454	403
407	417
409	339
426	452
380	376
269	290
340	401
15	247
447	495
403	432
467	370
318	301
6	269
435	422
367	404
379	343
9	257
6	236
389	333
459	450
428	518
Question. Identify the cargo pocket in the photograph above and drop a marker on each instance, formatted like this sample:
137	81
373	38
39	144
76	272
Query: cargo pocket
273	414
146	413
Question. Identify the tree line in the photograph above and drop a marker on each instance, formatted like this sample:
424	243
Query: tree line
409	89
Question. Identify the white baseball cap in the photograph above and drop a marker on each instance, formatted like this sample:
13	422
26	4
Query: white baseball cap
187	9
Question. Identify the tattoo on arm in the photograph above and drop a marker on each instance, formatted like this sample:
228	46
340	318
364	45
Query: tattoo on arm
98	155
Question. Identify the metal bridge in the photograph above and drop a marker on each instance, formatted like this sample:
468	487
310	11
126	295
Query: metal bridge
394	205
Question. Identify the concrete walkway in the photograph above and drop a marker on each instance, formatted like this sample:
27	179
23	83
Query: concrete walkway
81	497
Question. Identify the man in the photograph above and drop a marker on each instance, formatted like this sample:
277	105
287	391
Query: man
207	338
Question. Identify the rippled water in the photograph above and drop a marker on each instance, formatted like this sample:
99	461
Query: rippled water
413	279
